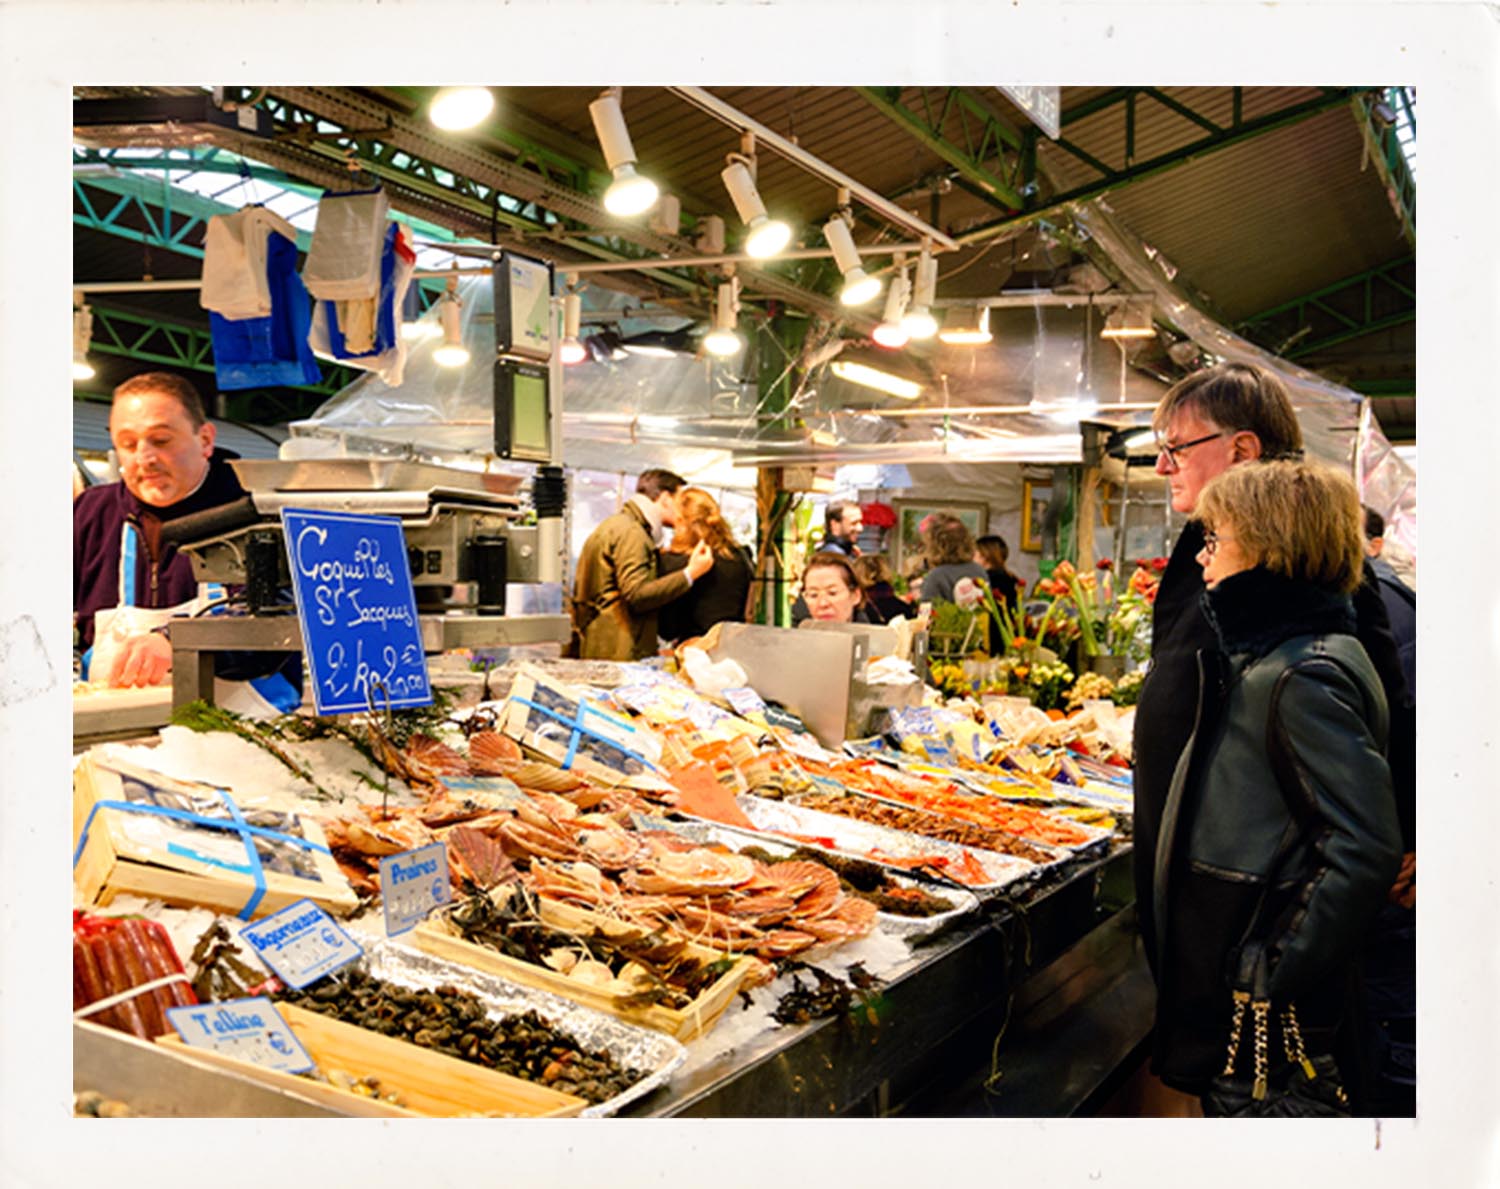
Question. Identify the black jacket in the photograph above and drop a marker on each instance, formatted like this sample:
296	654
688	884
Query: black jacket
1164	715
884	605
719	595
1244	862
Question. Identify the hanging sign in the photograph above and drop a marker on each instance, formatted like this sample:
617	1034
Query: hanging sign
249	1029
301	943
1042	104
412	884
358	610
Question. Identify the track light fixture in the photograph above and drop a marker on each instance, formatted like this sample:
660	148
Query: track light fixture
892	332
571	350
451	352
859	286
629	193
962	330
919	323
83	335
766	236
873	377
455	109
724	340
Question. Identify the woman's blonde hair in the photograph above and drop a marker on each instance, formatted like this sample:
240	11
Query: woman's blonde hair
1297	519
873	568
949	540
699	519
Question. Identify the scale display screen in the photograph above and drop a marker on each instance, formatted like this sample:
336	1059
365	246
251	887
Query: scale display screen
522	411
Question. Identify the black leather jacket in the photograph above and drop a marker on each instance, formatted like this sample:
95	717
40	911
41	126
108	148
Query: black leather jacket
1243	861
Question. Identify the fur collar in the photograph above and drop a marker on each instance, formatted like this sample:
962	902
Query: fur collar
1254	611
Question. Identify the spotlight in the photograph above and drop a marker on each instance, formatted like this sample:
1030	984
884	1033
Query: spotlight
723	340
767	236
919	322
1130	320
451	352
963	331
629	193
859	286
571	351
873	377
892	330
457	108
83	334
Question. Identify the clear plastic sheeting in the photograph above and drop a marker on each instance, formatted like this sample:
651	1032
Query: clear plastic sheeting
1387	483
1328	412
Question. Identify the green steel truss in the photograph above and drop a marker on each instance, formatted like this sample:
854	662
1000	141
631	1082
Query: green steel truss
1379	299
1383	146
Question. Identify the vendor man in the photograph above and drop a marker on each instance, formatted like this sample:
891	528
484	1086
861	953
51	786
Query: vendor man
169	467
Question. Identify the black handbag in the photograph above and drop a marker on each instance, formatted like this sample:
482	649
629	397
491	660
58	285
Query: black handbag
1300	1087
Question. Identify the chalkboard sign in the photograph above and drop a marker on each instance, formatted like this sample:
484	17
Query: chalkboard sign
360	632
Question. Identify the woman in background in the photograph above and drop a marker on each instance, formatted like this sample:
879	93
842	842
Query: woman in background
881	599
722	593
992	553
832	590
950	548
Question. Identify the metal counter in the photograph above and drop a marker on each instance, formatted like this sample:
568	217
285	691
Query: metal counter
1021	968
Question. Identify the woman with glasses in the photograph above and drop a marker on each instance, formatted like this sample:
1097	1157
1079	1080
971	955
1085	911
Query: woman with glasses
1278	838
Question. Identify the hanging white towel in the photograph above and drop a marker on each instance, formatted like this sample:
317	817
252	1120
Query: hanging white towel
234	262
377	345
343	263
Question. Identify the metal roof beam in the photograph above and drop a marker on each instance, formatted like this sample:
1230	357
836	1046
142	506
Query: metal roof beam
1384	148
994	156
1377	299
1114	178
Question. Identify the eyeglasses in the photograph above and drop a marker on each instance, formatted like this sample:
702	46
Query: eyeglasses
1211	541
1174	453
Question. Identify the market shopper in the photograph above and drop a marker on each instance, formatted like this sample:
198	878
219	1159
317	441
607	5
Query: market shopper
618	590
1400	599
1278	837
723	593
993	553
169	467
949	547
831	589
842	522
882	602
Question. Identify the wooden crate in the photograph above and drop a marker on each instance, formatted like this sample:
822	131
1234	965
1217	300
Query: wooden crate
432	1084
112	862
681	1023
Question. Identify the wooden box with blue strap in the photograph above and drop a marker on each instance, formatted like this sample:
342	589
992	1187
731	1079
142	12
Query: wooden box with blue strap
140	832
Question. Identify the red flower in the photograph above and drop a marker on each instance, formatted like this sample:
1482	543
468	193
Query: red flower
879	515
1020	582
1158	564
1104	563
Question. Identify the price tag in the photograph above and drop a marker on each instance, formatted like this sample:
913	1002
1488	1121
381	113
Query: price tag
358	610
301	943
745	700
249	1029
412	884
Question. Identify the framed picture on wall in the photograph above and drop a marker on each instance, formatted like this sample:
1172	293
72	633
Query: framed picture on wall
1034	500
906	542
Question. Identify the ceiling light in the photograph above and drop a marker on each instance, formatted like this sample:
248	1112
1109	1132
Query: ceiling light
629	193
919	322
872	377
1131	319
892	332
83	335
962	330
724	340
1065	408
457	108
650	350
451	352
570	350
859	286
767	236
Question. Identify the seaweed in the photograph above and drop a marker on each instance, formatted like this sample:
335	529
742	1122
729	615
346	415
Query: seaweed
204	718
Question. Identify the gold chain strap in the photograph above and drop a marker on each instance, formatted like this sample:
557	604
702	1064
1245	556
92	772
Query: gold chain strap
1261	1009
1291	1036
1241	998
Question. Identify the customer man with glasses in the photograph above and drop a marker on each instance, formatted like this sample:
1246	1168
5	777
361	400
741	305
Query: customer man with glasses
1215	419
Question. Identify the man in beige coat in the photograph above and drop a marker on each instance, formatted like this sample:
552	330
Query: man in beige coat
618	591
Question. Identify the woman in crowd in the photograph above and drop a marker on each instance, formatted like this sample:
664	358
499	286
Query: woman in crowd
881	600
719	595
950	548
1279	837
992	553
832	590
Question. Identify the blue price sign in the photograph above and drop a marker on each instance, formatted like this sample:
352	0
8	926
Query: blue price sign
301	943
412	884
358	610
250	1029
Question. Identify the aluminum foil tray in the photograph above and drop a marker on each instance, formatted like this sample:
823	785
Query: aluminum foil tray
737	839
632	1046
366	474
853	839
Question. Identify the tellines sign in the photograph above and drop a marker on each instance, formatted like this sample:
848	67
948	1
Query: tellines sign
250	1029
358	610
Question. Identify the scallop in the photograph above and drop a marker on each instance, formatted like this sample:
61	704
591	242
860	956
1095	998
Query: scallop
592	974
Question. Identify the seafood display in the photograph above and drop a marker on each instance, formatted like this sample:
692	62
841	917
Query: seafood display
459	1023
993	813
